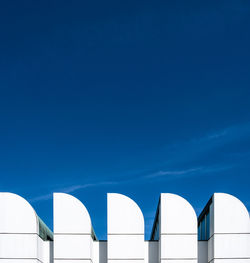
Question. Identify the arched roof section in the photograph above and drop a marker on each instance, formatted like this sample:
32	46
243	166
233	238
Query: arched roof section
17	215
124	215
177	215
230	214
70	215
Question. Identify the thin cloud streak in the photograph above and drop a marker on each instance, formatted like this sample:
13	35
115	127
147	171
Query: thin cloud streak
173	172
163	175
196	151
188	173
228	134
182	152
69	190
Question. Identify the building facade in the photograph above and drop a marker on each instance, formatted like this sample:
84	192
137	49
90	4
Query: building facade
221	233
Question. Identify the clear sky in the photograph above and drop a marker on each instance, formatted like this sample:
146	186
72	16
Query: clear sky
134	97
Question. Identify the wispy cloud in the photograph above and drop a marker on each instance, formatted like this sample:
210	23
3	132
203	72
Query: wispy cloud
229	133
70	189
186	154
208	148
168	175
41	198
217	135
165	175
173	172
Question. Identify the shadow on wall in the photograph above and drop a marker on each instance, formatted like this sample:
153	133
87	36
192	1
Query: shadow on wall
102	251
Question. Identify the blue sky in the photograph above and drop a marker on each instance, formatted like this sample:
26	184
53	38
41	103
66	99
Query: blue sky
134	97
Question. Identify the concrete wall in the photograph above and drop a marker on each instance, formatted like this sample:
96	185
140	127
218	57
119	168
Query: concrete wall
203	251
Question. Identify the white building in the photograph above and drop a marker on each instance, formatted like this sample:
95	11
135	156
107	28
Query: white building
221	234
24	238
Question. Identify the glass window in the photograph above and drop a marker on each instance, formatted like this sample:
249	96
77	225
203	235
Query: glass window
204	223
44	232
207	225
199	232
203	229
156	233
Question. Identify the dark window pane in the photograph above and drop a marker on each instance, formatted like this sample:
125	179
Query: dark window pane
207	226
203	229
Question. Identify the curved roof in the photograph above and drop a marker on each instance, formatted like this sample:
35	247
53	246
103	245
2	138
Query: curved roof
177	215
230	214
124	215
70	215
18	216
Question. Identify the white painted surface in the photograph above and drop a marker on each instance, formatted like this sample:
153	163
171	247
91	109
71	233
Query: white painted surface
72	229
72	247
19	260
18	246
126	247
17	215
127	261
232	246
124	215
178	246
178	229
230	214
178	261
230	230
70	215
210	251
230	261
19	232
45	251
73	261
125	230
177	215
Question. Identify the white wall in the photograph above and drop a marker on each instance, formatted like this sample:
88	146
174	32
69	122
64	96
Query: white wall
230	236
125	230
178	230
19	232
72	230
229	240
